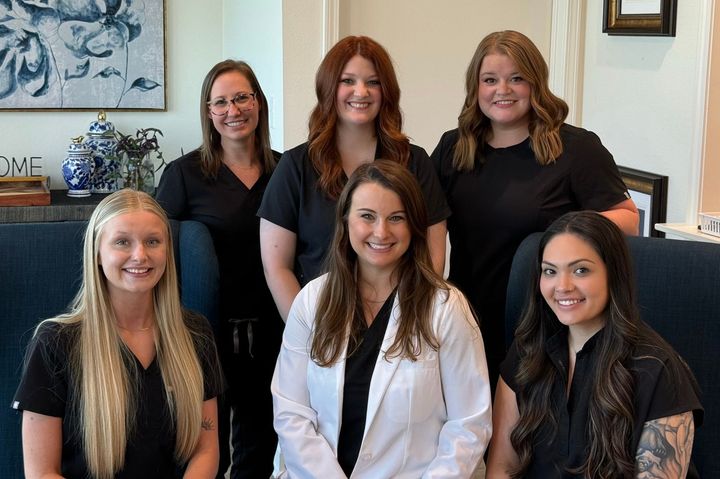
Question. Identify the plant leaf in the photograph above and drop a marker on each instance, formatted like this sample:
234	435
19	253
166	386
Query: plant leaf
143	84
80	71
8	82
108	72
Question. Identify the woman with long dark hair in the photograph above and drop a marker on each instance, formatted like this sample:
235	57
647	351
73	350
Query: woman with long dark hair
512	167
382	371
356	120
221	184
588	389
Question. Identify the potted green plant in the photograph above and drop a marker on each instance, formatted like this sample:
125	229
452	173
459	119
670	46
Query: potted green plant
140	157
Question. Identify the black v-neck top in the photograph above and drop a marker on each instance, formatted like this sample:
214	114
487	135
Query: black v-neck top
228	208
655	396
359	368
47	388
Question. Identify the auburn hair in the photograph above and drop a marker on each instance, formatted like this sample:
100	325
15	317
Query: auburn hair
322	142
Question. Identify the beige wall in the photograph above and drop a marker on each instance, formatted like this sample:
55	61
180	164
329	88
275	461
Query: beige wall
302	52
710	179
431	45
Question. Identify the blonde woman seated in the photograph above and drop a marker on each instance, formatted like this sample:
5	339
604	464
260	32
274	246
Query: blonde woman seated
124	384
382	369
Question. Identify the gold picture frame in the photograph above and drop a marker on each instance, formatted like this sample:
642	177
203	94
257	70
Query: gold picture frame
640	17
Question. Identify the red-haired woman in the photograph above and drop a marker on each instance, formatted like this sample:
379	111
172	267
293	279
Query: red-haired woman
356	120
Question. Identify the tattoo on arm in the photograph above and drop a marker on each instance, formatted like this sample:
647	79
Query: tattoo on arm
207	424
665	447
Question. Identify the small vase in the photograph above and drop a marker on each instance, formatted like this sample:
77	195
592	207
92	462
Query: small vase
78	168
138	174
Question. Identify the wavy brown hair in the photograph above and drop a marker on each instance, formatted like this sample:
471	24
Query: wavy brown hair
547	112
417	282
610	413
322	145
211	151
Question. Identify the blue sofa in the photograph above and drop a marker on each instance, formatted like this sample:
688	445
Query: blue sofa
678	286
40	272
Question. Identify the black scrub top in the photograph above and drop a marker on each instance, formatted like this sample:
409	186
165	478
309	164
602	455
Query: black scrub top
655	397
294	201
46	388
229	210
359	368
503	200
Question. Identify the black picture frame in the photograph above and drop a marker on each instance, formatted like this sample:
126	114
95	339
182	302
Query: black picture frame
649	191
642	23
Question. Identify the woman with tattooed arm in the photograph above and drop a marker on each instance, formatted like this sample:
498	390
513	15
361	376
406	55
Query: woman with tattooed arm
588	389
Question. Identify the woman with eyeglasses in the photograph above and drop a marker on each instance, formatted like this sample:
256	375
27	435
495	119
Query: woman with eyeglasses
510	168
221	185
356	120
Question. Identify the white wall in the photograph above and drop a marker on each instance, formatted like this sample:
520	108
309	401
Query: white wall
644	97
431	45
193	45
253	33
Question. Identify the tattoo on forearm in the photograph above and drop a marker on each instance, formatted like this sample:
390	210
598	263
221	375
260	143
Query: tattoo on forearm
207	424
665	447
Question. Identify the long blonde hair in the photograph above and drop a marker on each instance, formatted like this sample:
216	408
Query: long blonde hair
104	388
547	112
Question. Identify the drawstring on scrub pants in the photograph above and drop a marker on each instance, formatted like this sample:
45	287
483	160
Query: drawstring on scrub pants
236	334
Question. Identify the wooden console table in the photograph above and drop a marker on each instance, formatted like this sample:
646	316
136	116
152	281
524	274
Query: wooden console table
61	208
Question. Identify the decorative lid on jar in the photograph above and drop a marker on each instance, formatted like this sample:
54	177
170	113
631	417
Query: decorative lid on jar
78	147
101	127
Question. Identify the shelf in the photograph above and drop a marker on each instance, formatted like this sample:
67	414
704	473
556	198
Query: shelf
685	231
61	208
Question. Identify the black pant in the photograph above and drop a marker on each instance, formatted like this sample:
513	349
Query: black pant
245	410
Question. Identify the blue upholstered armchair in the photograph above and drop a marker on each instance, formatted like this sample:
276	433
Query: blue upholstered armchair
40	272
679	296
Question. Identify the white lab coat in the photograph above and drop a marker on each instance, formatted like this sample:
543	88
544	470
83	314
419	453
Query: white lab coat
430	418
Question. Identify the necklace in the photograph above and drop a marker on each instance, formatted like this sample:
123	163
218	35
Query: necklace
139	330
378	301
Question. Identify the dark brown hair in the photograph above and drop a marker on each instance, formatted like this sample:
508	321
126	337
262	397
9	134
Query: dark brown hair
547	112
322	146
211	150
610	411
417	282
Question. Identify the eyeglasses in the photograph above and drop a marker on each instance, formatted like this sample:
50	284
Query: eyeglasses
242	101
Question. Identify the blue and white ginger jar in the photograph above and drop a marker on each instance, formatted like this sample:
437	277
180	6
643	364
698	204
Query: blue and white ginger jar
78	168
101	141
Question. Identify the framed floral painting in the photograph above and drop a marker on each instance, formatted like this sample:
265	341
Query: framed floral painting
82	55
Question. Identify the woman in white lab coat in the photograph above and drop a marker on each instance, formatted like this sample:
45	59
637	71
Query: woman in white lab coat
382	370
